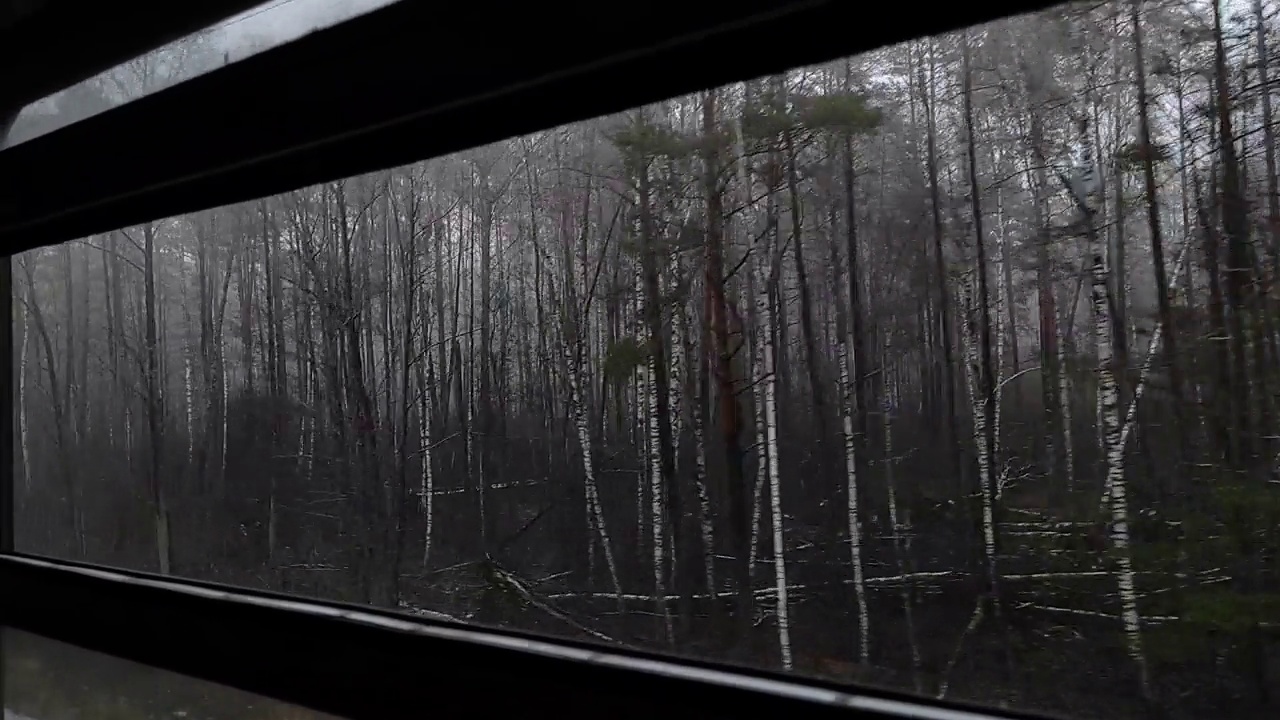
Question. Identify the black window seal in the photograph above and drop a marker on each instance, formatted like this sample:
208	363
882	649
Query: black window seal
358	662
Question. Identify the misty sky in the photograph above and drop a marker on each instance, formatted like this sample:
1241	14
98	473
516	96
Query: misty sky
278	21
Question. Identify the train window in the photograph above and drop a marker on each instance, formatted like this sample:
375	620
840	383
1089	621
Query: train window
946	368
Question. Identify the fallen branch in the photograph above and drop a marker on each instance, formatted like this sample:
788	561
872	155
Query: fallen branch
517	585
1131	413
427	614
760	594
1095	613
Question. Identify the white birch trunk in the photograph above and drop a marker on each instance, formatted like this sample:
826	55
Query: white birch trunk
657	517
847	366
705	523
594	509
704	507
22	404
188	394
300	456
640	389
675	370
775	484
222	370
676	374
977	406
1002	303
427	489
754	285
653	464
1064	394
312	428
1109	405
851	485
762	443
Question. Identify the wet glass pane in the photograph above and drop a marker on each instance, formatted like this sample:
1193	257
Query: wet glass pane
49	680
270	24
949	367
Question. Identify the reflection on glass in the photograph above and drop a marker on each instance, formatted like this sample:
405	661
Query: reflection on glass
271	24
49	680
714	376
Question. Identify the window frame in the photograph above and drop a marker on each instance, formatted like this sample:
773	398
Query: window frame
363	662
358	662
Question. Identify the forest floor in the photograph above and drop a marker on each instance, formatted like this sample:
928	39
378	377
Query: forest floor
1056	646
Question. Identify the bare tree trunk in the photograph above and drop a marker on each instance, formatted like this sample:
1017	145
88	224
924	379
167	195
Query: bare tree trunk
1113	450
717	313
927	92
24	446
60	428
1239	270
1269	137
987	384
659	426
769	379
812	356
897	526
155	428
1157	250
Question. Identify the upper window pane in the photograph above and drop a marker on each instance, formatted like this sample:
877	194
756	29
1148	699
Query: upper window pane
949	367
273	23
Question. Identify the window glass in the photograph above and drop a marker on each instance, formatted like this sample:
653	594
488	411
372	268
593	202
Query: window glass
948	367
273	23
49	680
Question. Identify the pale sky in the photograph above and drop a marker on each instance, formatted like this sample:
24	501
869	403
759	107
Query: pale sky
268	25
280	21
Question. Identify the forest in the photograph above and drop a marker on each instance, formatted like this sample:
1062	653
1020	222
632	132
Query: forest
952	367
